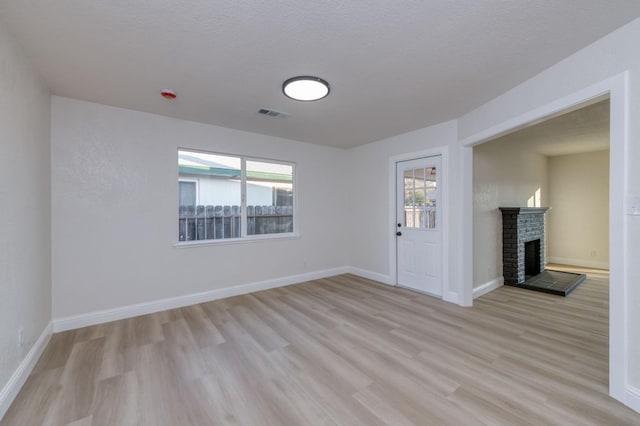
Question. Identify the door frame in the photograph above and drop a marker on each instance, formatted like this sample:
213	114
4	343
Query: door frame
617	89
445	195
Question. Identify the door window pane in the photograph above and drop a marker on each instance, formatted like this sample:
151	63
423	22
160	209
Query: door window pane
420	194
409	200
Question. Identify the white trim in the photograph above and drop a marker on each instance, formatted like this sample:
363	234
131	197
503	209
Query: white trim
445	202
466	236
617	88
618	235
452	297
578	262
108	315
374	276
445	198
249	239
20	376
243	198
632	398
487	287
580	99
416	290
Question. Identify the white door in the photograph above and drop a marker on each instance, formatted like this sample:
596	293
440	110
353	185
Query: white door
418	225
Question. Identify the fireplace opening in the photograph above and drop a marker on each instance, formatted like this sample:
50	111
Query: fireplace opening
532	264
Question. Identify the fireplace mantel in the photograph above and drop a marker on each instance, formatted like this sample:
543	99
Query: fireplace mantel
524	210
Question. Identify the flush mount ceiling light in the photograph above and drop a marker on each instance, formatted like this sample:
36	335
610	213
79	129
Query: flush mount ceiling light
305	88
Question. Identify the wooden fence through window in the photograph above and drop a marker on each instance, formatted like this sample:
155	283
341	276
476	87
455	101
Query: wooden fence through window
221	222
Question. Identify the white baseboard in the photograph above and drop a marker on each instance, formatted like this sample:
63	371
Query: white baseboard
579	262
375	276
108	315
19	377
452	297
632	398
487	287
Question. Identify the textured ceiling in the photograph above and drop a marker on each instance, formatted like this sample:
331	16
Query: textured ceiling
583	130
393	66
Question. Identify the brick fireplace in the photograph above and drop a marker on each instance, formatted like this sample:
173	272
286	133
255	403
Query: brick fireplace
522	243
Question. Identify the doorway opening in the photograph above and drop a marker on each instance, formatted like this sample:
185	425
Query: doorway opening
561	163
616	89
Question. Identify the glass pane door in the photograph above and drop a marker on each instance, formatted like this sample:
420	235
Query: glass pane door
420	198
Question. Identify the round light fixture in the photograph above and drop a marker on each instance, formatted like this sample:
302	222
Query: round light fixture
305	88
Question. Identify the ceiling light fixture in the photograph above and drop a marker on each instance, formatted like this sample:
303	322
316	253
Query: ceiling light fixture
305	88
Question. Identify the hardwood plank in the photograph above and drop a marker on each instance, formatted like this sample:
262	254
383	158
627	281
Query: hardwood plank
337	351
78	382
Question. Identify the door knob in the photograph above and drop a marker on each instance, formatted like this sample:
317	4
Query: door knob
398	233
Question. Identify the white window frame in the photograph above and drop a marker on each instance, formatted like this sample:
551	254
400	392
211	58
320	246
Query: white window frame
244	238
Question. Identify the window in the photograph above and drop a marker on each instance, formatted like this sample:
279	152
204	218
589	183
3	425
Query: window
420	189
231	197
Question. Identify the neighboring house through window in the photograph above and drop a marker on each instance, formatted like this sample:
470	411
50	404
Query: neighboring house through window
188	191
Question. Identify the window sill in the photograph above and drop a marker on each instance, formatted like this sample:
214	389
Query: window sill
252	239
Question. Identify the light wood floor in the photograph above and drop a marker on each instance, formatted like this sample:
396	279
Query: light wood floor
341	350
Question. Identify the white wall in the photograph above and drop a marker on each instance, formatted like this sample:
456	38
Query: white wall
114	191
506	173
578	223
369	197
25	215
604	59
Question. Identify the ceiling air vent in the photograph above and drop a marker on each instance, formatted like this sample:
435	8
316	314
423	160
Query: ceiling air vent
272	113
